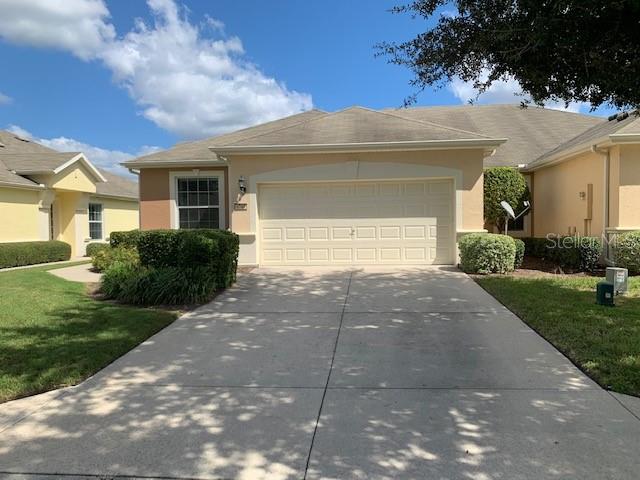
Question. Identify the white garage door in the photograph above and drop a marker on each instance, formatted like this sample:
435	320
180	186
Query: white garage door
393	222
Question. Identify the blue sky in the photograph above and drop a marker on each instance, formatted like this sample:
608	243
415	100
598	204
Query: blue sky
131	76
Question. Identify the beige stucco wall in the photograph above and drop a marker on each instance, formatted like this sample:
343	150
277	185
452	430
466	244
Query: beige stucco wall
117	215
557	205
628	183
469	163
19	215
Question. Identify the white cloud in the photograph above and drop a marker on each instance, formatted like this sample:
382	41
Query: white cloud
79	26
101	157
184	80
505	91
5	99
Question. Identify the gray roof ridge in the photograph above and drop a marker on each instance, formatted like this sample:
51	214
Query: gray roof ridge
426	122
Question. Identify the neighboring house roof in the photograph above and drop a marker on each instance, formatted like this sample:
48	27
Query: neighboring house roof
617	129
117	186
199	150
530	131
37	162
357	127
20	157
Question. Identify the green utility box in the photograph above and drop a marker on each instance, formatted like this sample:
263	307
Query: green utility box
604	294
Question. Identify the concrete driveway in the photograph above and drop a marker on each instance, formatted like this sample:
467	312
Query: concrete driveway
354	374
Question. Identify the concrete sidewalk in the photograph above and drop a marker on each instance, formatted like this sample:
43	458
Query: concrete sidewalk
333	374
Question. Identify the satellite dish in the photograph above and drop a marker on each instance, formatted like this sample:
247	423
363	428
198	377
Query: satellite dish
508	209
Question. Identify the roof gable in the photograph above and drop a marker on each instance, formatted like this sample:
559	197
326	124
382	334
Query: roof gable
356	125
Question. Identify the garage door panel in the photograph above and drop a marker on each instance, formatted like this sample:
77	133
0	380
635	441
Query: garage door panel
394	222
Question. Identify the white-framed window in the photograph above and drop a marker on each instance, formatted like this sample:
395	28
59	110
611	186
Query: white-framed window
95	221
198	200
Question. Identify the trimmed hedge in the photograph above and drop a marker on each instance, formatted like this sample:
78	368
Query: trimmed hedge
95	247
487	253
627	251
175	266
17	254
215	249
124	239
520	249
571	253
106	257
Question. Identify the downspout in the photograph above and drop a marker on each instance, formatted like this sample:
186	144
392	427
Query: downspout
606	157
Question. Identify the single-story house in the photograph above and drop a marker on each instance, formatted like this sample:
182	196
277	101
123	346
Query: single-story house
51	195
395	186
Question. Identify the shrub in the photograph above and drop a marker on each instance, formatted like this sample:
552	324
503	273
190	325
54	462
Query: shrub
108	256
520	249
158	286
124	239
627	251
17	254
175	266
536	247
487	253
503	184
590	252
115	278
95	247
572	253
215	249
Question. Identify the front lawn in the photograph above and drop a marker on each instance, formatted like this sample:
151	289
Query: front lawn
603	341
52	334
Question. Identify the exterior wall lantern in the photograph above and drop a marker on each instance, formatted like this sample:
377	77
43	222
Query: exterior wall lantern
242	185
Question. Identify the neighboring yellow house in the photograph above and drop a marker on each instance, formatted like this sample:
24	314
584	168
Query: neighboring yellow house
50	195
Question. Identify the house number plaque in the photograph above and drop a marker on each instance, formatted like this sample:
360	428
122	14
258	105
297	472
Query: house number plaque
240	207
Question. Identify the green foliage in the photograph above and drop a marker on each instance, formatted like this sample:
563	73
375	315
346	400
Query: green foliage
520	249
216	249
124	239
106	257
176	267
627	251
487	253
570	253
555	50
503	184
17	254
590	249
536	247
158	286
95	247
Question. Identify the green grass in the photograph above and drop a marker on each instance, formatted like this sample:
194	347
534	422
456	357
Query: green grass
53	334
603	341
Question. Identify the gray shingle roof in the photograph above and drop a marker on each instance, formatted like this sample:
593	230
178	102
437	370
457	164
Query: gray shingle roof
199	150
357	125
36	162
116	186
622	124
530	132
21	155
